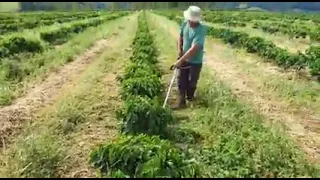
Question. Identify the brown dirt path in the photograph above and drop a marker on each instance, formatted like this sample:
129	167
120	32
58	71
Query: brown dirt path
297	123
102	127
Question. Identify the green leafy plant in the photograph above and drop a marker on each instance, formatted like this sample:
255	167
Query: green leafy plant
312	55
144	115
17	44
18	22
143	157
135	70
141	88
148	85
267	49
61	34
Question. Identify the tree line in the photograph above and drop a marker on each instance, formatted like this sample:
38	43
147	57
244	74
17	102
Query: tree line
34	6
279	6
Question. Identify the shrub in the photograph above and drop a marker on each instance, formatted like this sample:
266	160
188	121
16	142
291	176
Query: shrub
148	85
142	157
144	115
18	44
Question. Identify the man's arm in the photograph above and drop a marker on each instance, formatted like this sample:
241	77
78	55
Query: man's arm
180	45
180	40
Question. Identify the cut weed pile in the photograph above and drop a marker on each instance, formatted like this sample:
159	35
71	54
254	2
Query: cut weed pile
234	141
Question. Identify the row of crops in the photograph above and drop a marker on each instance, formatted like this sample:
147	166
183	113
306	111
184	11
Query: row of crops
268	50
60	33
292	30
142	150
261	16
17	43
20	21
151	145
23	54
274	16
44	15
292	27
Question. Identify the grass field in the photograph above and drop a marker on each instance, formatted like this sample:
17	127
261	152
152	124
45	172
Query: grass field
83	97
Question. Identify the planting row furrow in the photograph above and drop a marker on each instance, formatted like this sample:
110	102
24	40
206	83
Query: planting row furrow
266	49
9	27
293	28
141	151
250	16
244	16
59	34
38	17
23	43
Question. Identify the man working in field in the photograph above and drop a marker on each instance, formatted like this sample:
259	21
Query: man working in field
190	47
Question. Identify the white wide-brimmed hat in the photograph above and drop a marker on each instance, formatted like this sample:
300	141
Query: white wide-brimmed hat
193	13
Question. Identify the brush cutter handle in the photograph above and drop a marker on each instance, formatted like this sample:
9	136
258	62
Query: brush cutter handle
170	87
173	67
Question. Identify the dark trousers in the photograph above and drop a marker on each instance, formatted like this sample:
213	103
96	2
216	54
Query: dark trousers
188	79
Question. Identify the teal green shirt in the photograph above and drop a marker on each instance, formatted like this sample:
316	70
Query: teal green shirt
193	36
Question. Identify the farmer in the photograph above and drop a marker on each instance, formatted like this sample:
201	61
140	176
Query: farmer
190	47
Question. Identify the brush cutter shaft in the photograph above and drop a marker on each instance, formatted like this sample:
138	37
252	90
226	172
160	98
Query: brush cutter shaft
170	87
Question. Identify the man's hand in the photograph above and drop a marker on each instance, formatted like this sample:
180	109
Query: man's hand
185	57
178	63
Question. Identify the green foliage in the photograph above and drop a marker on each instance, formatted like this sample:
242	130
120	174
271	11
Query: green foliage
37	157
19	21
144	115
266	49
61	34
184	135
290	24
18	44
313	58
141	88
21	43
147	85
239	145
135	70
144	52
11	70
143	157
236	143
294	31
17	47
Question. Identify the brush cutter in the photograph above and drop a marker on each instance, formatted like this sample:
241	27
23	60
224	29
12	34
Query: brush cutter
175	70
170	85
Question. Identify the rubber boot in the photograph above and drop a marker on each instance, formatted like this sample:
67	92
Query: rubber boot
181	101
